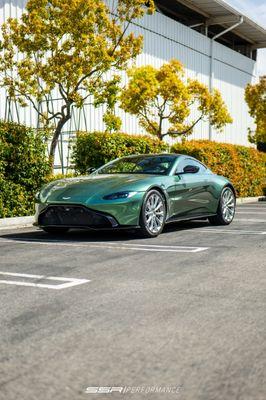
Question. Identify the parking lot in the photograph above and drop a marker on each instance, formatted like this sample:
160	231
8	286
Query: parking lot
185	310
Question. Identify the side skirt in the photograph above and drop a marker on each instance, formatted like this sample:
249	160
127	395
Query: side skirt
179	219
89	228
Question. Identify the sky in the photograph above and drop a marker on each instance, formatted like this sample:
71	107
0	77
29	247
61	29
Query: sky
256	10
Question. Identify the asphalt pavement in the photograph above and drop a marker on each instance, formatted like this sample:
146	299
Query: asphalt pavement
181	316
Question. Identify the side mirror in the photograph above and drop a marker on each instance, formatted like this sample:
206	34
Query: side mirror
90	170
190	169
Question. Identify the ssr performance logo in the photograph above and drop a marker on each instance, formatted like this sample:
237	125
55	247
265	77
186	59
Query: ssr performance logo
103	389
132	389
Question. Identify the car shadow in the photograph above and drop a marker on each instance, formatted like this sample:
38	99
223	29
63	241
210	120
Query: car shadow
81	235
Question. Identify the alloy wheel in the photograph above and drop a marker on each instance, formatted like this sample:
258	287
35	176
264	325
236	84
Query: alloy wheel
228	205
154	213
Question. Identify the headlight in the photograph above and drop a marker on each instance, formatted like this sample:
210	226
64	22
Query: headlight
119	195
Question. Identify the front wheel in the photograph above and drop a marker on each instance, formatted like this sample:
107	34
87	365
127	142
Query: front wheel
153	214
226	209
54	229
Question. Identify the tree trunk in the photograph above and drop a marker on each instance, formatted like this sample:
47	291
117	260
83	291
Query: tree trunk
160	136
54	143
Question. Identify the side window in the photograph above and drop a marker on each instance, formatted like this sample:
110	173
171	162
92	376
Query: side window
202	168
181	165
189	161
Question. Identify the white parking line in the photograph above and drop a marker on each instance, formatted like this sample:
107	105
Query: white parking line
251	207
232	231
69	282
156	247
111	245
251	212
249	220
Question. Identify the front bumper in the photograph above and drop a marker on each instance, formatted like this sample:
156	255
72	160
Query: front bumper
75	216
125	212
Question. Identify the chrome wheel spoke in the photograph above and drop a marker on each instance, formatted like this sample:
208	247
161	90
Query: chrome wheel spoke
228	205
159	213
154	213
149	219
231	203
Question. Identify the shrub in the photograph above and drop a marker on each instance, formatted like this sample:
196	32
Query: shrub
97	148
244	166
24	167
55	177
23	155
14	200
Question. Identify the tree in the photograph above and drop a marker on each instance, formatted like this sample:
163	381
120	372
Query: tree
159	95
256	99
66	48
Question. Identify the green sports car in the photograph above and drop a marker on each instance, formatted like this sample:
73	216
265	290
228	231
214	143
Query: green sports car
140	191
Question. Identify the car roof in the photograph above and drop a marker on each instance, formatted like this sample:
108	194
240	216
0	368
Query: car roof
155	155
175	155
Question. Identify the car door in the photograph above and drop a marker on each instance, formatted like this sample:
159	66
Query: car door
193	195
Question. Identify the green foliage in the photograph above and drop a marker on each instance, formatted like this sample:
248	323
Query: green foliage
109	95
256	99
23	155
244	166
97	148
159	95
68	46
23	168
14	200
55	177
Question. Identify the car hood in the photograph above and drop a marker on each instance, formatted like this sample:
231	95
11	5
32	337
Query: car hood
93	187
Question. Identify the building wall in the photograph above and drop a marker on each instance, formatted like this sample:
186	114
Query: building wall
165	39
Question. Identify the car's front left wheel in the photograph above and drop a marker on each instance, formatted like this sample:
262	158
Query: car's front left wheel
153	214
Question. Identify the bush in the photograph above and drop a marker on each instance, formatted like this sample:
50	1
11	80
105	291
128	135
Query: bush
98	148
23	155
14	200
24	168
244	166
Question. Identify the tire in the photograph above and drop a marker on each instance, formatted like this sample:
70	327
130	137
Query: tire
153	214
226	208
54	230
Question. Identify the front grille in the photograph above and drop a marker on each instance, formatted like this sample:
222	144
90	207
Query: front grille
76	216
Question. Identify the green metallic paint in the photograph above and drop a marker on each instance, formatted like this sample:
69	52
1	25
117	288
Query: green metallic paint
187	195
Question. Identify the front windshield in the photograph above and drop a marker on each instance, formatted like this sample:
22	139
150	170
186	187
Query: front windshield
158	165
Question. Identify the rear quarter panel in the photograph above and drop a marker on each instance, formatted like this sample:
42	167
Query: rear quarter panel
217	183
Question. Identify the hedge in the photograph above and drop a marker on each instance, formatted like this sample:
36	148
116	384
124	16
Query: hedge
98	148
24	168
14	200
244	166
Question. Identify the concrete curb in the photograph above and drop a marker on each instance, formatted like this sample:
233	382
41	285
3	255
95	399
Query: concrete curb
246	200
16	222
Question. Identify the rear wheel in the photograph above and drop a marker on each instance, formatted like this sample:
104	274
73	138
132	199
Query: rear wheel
55	230
226	208
153	214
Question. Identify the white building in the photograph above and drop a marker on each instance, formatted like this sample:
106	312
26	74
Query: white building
216	43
